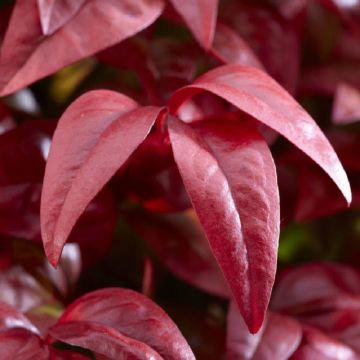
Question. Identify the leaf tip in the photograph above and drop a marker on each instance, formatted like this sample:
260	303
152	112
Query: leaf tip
52	252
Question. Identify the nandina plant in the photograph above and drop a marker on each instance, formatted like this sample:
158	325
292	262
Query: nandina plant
140	149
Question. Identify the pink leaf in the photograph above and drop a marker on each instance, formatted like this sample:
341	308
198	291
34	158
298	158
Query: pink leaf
257	94
200	16
20	344
102	340
94	137
134	316
56	13
230	48
229	174
25	48
346	108
278	338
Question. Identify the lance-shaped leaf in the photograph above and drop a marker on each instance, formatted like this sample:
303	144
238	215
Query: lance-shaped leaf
25	47
257	94
229	174
134	316
94	137
278	338
21	344
102	340
200	16
55	13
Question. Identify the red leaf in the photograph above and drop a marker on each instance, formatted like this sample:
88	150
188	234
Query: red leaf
257	94
25	48
200	16
346	108
230	48
54	13
134	316
20	344
317	287
102	340
230	176
278	338
11	318
94	137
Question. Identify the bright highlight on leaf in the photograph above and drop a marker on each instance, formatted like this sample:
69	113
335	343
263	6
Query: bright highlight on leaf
230	177
257	94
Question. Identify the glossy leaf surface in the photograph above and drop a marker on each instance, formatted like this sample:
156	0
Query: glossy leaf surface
25	48
230	177
257	94
134	316
200	16
94	137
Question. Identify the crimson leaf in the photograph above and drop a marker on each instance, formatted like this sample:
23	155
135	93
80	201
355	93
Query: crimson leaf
257	94
25	48
94	137
134	316
229	174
